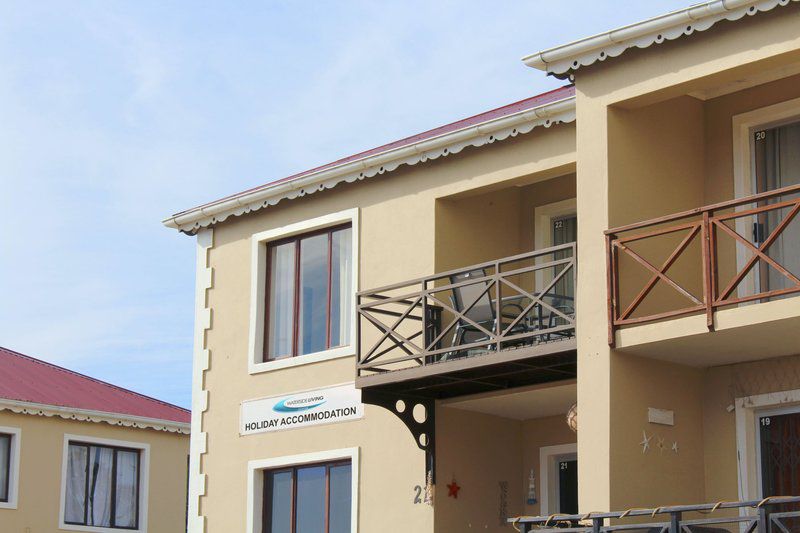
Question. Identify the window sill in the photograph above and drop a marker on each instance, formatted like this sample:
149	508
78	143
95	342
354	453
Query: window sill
97	529
8	505
316	357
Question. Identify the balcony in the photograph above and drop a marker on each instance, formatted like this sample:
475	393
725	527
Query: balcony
738	257
490	326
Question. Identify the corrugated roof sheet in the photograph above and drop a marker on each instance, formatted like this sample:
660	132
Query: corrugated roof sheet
26	379
506	110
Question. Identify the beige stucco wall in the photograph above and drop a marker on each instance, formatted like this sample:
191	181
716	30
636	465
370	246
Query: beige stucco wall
650	140
653	138
538	433
40	469
479	451
398	241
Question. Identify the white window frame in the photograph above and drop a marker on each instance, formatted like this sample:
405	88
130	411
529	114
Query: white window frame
255	486
144	478
549	456
13	471
743	124
748	410
258	287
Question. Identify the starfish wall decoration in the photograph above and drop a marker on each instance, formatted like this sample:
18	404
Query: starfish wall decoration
645	444
452	489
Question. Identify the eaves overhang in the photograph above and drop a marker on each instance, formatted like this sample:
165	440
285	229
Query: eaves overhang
451	142
90	415
562	61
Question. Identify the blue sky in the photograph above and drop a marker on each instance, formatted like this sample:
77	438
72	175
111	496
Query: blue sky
116	114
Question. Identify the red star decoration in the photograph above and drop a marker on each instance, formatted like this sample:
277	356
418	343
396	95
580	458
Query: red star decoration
452	489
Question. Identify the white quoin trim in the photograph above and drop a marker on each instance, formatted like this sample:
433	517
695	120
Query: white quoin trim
202	322
443	145
563	59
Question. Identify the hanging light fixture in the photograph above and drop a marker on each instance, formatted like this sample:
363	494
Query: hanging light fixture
572	418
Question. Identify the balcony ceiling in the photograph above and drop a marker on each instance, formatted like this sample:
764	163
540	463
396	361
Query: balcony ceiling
526	403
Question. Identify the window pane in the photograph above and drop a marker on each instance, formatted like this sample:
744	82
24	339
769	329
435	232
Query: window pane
5	463
127	490
100	468
340	499
341	287
278	502
311	500
314	294
281	300
776	165
76	484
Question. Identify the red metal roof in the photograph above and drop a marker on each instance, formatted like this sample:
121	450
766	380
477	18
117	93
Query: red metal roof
523	105
25	379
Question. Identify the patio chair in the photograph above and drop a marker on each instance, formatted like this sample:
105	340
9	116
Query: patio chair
548	319
482	312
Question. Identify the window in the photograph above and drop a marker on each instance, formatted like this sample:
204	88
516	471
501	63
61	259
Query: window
102	486
313	498
5	467
776	165
10	439
309	286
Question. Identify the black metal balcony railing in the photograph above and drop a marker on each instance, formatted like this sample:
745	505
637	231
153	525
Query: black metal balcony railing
518	301
742	255
771	515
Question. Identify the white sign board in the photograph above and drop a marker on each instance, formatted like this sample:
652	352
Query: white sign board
321	406
660	416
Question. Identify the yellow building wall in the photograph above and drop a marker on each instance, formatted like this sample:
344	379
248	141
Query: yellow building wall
40	469
649	141
397	243
538	433
653	138
480	451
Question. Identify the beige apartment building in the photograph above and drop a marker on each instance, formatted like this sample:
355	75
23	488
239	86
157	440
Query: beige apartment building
581	306
80	454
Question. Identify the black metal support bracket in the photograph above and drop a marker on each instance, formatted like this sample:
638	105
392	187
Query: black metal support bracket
403	407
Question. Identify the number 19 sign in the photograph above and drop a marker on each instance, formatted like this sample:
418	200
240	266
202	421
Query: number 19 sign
321	406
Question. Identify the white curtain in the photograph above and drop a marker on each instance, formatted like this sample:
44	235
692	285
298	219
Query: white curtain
127	489
5	461
76	484
281	300
100	468
343	241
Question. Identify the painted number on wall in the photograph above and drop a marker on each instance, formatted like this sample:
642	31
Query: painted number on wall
761	135
765	421
417	494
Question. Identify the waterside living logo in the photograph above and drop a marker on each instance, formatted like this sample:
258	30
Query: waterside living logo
302	403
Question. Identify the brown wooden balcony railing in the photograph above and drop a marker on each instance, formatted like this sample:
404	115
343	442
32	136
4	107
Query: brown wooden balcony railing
771	515
520	301
716	270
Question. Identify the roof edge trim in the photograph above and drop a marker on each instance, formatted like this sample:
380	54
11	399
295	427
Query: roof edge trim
497	129
563	59
87	415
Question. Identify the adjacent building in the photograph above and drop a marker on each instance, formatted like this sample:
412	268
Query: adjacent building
79	454
585	301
